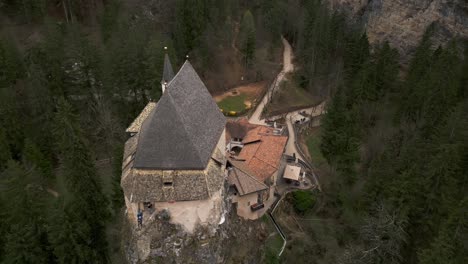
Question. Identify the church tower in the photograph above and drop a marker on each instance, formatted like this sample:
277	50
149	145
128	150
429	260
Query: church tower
174	159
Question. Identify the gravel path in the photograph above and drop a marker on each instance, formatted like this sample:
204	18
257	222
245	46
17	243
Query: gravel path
287	67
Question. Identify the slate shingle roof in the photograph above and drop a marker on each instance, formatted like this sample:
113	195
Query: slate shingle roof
184	128
168	73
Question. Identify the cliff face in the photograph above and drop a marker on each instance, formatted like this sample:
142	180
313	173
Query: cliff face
162	241
403	22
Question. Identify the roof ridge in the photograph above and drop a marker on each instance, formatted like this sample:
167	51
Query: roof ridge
237	177
184	126
177	74
248	174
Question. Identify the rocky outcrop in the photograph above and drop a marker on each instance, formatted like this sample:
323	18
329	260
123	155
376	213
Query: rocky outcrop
403	22
234	241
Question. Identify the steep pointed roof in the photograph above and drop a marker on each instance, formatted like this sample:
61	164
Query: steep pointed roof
168	73
183	129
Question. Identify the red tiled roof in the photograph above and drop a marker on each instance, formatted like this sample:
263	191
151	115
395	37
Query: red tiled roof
262	151
242	178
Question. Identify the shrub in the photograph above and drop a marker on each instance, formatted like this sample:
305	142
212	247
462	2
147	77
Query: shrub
303	201
164	215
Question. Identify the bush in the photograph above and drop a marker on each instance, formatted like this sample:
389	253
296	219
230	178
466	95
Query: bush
164	215
303	201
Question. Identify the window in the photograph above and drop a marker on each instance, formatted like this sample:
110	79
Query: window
167	183
167	178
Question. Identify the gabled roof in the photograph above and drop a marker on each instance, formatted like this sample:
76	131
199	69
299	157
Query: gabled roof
245	183
184	128
168	73
262	151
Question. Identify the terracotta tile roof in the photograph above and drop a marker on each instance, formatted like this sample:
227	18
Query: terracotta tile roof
252	136
243	179
261	169
262	156
247	153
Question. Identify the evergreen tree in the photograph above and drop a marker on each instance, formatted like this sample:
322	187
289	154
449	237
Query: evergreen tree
117	197
340	141
26	241
88	206
190	23
356	53
247	37
5	154
154	61
33	158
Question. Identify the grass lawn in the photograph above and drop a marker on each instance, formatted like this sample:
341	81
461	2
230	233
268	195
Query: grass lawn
233	103
313	145
290	96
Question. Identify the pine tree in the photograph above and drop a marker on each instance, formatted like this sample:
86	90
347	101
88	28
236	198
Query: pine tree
340	139
356	53
191	21
11	66
247	37
5	153
71	237
33	158
448	246
26	241
154	61
117	193
386	68
88	206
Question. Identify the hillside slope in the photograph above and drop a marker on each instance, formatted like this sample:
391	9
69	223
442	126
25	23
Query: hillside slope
403	22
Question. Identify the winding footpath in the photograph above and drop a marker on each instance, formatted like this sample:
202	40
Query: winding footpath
288	66
291	145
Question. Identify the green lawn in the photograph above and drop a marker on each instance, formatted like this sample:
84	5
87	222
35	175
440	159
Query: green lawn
233	103
313	144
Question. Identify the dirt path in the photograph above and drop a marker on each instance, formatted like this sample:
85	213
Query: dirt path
312	111
287	67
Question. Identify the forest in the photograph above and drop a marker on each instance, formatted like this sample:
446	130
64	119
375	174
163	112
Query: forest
73	75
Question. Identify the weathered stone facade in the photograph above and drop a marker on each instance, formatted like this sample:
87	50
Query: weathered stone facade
148	185
142	185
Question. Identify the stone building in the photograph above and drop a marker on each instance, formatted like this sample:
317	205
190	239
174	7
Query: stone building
254	166
174	158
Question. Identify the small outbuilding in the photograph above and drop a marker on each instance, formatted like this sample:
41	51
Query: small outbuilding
292	173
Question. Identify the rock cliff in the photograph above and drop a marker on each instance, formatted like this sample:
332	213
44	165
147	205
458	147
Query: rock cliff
161	241
403	22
